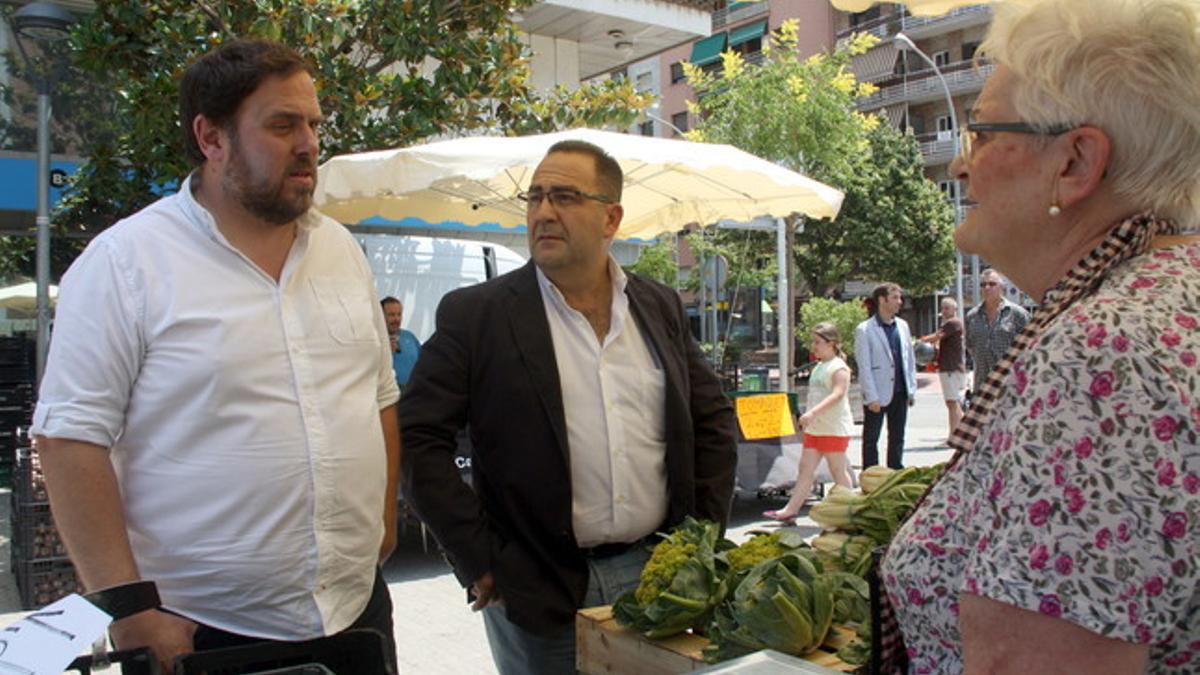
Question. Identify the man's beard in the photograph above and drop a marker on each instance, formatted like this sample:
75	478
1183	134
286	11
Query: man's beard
264	198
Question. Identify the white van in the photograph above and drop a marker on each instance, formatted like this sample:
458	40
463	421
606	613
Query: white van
418	271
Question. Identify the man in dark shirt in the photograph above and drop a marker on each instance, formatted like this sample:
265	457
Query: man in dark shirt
952	367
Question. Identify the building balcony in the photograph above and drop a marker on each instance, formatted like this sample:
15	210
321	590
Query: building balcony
737	12
883	27
924	86
919	27
610	33
936	148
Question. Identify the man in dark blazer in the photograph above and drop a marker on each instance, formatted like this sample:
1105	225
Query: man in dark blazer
594	418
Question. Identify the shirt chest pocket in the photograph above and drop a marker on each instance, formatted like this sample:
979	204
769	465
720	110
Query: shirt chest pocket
346	313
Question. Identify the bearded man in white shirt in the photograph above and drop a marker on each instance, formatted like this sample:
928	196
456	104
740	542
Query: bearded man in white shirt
594	420
217	415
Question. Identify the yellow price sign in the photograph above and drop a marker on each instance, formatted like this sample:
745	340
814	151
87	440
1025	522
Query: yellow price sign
764	416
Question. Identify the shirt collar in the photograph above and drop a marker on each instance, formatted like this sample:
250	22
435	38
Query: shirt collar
204	221
620	302
615	273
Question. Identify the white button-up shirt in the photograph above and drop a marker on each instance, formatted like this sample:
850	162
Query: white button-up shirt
242	414
613	392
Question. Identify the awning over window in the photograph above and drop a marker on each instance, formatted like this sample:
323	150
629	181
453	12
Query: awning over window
747	33
876	63
709	49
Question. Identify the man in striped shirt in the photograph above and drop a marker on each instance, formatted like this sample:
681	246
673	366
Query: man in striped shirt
992	325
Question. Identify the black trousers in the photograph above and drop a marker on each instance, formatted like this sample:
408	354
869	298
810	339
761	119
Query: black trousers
896	413
377	614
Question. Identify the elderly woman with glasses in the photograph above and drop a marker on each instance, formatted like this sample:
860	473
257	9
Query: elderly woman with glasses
1065	535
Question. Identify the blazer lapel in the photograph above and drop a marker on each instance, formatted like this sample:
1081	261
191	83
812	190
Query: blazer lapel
531	332
656	331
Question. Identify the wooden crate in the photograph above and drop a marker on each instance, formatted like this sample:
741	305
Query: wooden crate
604	646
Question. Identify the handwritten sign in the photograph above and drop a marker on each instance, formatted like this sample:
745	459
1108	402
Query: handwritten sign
46	641
764	416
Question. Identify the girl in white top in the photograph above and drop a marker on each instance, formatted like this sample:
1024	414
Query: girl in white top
827	422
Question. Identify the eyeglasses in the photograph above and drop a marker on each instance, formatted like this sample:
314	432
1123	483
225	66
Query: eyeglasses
560	198
968	135
985	284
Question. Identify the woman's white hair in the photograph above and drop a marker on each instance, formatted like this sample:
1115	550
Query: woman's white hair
1128	67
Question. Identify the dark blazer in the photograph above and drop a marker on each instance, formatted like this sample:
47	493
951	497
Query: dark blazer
490	366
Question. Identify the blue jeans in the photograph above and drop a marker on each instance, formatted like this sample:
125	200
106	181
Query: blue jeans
516	651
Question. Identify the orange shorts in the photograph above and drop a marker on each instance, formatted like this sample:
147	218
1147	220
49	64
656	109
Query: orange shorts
827	443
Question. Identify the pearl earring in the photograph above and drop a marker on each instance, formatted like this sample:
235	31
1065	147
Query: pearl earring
1054	210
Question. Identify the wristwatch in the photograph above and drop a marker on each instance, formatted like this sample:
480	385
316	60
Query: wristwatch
126	599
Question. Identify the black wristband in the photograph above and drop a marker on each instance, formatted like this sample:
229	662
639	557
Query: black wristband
126	599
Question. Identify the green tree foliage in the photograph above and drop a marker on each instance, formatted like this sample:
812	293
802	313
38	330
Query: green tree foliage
895	224
844	315
391	73
657	261
800	113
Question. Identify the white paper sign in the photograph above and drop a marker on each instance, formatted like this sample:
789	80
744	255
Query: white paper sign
45	642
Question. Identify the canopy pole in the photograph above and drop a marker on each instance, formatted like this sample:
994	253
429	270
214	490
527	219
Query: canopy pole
783	312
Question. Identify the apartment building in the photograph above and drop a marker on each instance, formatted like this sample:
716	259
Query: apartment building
911	95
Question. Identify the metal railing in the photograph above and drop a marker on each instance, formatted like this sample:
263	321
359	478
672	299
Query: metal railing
915	24
936	148
890	24
723	17
882	27
924	86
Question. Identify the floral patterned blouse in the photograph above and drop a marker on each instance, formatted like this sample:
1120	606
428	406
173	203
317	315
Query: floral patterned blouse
1081	497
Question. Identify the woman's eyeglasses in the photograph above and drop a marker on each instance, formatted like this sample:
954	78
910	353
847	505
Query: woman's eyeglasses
968	135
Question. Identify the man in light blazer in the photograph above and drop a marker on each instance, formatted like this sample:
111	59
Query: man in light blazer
887	374
595	422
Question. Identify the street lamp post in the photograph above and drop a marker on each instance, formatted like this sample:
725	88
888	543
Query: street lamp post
42	22
905	43
663	122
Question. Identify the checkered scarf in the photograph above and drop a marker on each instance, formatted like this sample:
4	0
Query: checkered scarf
1130	238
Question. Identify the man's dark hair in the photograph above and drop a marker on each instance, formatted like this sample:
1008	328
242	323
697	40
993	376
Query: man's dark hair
388	300
216	84
608	172
881	291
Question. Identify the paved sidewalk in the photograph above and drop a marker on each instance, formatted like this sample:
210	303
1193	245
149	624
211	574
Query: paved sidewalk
437	634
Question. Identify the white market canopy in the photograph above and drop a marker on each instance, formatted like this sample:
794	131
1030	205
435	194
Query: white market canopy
668	183
917	7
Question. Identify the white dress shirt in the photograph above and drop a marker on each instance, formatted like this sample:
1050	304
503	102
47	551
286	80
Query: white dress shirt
613	393
242	414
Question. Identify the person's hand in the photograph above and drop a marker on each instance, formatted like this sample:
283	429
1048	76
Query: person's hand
166	634
485	592
874	406
911	401
395	342
805	420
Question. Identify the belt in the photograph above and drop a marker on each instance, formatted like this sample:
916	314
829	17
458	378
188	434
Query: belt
610	550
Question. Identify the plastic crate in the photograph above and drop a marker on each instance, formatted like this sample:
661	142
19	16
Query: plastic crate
354	651
16	374
35	536
29	486
19	394
42	582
